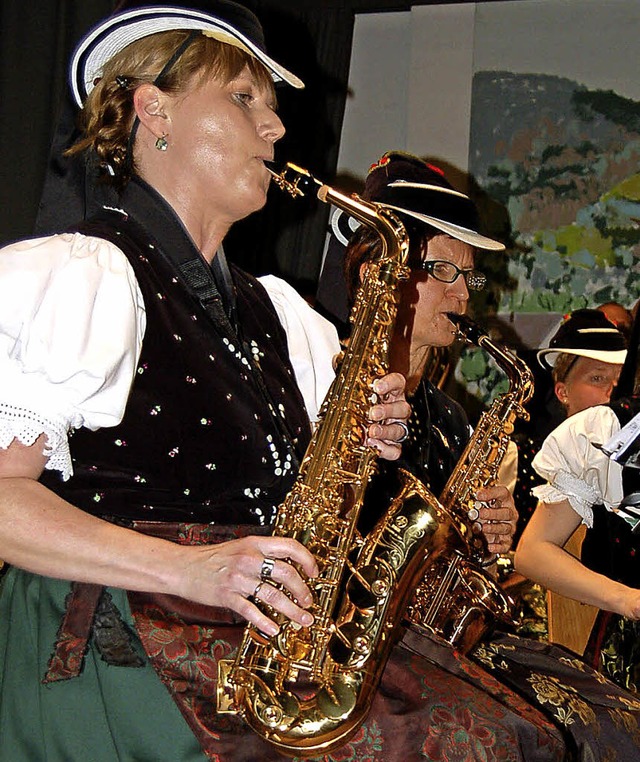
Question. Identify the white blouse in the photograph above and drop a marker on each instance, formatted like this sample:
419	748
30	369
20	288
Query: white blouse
72	320
312	340
575	469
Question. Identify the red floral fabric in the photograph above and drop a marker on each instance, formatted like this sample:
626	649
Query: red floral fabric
421	710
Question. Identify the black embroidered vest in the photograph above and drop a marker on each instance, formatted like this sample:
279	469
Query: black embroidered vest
201	440
610	547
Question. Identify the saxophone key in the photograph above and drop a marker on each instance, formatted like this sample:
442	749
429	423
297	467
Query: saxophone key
473	514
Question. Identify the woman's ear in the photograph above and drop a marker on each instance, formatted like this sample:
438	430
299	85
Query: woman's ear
150	106
560	389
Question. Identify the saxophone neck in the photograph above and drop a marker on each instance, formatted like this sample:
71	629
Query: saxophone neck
298	181
517	371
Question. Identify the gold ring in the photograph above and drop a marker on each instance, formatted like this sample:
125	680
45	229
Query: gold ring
266	570
257	590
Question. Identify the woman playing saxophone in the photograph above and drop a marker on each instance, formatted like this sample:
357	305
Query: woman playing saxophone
442	228
136	545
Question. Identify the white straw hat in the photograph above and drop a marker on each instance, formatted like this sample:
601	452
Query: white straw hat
407	184
227	21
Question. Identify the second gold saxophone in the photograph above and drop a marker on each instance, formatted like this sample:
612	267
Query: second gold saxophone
457	600
307	690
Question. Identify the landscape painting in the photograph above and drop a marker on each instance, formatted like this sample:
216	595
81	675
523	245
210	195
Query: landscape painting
555	155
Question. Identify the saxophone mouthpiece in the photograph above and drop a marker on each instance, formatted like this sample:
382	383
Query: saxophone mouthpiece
293	179
466	329
455	319
271	168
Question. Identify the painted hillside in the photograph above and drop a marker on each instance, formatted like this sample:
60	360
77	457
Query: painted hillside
564	161
558	173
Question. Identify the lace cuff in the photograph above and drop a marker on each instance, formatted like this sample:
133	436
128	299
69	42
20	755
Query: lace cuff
26	426
581	496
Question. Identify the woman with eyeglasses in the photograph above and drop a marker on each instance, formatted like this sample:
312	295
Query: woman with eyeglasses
443	230
442	225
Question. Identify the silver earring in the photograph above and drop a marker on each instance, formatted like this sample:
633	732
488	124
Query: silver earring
161	143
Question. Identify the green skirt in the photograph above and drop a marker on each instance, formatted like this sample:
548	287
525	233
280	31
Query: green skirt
107	714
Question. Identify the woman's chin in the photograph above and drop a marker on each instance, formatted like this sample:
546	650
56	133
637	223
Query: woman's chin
253	204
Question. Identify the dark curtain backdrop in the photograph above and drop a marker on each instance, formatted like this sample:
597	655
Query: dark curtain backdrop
316	44
287	237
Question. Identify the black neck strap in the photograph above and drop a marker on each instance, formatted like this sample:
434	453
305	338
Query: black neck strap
211	285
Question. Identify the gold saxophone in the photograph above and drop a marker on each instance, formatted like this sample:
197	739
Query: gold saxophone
458	600
306	690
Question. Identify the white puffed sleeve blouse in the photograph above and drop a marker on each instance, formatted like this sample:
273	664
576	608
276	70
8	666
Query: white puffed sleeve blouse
575	469
72	320
71	326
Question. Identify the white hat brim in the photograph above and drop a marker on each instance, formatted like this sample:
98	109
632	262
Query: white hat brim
455	231
116	32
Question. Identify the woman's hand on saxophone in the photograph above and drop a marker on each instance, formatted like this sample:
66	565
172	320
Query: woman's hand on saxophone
498	516
389	416
239	573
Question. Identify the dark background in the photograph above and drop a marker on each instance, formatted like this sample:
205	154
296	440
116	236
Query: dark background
311	38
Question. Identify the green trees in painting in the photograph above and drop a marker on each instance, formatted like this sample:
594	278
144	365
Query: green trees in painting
564	161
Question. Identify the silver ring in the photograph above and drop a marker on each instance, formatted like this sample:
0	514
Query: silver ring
405	428
266	570
257	590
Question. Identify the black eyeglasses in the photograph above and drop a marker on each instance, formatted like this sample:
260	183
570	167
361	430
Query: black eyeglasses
447	272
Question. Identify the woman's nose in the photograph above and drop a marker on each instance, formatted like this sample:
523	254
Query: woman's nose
271	128
459	288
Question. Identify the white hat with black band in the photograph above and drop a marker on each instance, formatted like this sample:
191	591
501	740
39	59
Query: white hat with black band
227	21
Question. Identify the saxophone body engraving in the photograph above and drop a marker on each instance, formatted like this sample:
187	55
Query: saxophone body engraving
307	690
457	600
